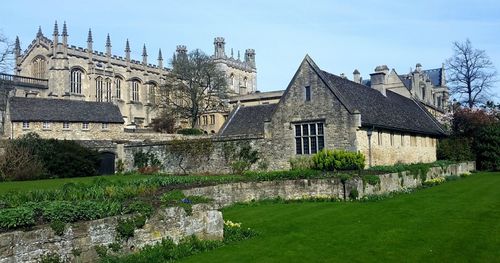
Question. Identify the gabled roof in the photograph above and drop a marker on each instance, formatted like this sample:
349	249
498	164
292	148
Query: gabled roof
247	120
63	110
276	94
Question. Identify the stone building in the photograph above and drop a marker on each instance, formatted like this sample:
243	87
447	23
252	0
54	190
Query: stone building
426	86
321	110
77	73
63	119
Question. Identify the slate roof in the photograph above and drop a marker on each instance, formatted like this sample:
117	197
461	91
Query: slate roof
258	96
247	120
394	112
63	110
434	75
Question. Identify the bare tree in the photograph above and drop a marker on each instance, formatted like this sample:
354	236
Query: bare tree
195	86
6	53
471	74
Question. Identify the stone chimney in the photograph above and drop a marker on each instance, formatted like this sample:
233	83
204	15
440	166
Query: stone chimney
378	78
356	76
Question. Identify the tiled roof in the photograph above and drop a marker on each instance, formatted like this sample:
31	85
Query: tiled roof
434	75
63	110
247	120
393	111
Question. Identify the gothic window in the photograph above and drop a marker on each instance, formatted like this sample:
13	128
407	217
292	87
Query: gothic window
109	95
118	87
307	91
212	119
99	89
76	81
231	80
245	80
205	120
309	138
152	93
423	93
135	90
38	67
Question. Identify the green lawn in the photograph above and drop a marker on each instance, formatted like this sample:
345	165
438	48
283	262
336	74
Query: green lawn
56	183
458	221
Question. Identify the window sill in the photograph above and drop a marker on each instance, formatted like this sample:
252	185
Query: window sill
46	129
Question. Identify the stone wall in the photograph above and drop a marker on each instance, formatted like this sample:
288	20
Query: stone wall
228	194
75	131
172	222
390	148
197	156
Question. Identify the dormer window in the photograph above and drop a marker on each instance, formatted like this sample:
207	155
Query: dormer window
307	93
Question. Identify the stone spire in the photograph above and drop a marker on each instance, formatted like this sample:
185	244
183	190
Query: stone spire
108	46
39	33
144	55
89	45
238	55
65	30
127	50
232	55
56	29
160	59
55	41
17	47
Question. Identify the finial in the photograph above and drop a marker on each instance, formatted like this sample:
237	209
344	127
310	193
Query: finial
238	55
160	57
108	41
127	47
144	53
39	34
231	52
56	29
65	30
89	38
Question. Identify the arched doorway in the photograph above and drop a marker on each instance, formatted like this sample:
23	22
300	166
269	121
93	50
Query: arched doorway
107	163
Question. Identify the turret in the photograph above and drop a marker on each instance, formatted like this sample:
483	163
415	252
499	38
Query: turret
181	51
250	57
160	59
55	41
219	47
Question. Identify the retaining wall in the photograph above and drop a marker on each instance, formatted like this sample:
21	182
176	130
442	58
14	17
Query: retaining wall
79	240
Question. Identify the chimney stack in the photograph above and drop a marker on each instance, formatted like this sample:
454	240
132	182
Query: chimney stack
356	76
378	78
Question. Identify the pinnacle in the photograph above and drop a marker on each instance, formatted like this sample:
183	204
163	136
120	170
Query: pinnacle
56	29
89	38
65	30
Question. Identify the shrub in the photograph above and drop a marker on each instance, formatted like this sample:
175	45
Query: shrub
147	162
301	163
126	227
353	194
140	207
487	147
58	227
60	158
455	149
190	131
338	160
18	163
11	218
51	258
371	179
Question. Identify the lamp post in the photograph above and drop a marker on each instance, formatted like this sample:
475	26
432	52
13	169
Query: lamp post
369	133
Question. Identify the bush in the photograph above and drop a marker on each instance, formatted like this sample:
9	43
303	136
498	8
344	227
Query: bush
487	147
190	131
147	162
301	163
59	158
455	149
58	227
51	258
353	194
11	218
328	160
371	179
18	163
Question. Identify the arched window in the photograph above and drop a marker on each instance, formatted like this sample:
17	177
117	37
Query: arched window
152	93
245	82
118	87
109	95
38	67
99	89
76	81
231	80
135	90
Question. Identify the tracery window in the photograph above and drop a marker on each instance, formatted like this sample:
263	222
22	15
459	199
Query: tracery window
76	81
99	89
135	90
39	68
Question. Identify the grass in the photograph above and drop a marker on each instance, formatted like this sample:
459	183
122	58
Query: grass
458	221
46	184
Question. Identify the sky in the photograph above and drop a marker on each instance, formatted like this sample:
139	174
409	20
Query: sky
340	36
